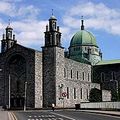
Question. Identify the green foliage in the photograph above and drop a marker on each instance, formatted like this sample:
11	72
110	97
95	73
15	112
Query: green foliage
95	95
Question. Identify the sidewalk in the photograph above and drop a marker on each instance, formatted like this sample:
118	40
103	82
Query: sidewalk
113	113
3	115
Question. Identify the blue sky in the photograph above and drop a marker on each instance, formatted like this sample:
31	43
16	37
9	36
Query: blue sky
29	18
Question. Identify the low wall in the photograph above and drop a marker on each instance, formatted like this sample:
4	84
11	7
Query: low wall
101	105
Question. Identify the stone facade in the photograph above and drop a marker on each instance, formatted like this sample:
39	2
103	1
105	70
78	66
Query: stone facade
106	95
76	83
51	77
109	76
63	74
38	80
18	65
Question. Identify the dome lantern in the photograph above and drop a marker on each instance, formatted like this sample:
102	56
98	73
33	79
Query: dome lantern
82	23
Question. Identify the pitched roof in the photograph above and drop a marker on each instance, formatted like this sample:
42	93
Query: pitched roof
107	62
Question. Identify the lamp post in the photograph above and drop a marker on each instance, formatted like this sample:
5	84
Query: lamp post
61	98
9	92
25	96
116	87
60	87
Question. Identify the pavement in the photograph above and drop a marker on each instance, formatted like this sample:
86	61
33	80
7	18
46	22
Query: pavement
113	113
8	115
3	115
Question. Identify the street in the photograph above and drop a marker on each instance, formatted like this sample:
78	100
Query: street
62	115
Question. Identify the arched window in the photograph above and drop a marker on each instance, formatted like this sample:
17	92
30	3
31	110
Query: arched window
88	76
87	94
113	75
67	92
81	93
102	77
64	72
83	75
77	74
71	73
74	93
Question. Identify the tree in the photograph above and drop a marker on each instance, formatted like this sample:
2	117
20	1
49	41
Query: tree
95	95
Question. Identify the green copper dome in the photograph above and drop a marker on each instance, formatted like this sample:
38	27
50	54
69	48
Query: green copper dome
83	37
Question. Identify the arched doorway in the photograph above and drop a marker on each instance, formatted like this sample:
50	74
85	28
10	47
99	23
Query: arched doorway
17	74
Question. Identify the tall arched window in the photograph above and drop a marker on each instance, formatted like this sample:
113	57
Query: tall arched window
74	93
77	74
71	73
83	75
81	93
64	72
113	75
88	76
102	77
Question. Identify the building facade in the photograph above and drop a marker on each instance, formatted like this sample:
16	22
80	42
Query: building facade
52	75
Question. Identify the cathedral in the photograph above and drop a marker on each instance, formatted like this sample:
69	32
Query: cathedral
39	78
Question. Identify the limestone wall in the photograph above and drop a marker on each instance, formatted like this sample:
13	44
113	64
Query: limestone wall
77	78
38	80
101	105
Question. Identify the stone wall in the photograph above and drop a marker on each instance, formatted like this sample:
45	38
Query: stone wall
59	83
29	56
75	82
38	80
106	95
82	85
101	105
49	78
104	74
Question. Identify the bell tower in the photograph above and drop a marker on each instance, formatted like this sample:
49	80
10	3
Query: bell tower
52	34
8	39
53	63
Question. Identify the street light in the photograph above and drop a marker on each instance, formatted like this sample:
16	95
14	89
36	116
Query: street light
9	92
25	96
60	87
116	86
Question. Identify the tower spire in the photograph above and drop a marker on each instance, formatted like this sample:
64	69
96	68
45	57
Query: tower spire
52	12
82	23
9	22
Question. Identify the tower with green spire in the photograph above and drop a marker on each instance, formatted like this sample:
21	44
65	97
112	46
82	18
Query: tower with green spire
83	47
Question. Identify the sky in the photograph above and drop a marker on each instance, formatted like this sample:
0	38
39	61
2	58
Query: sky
28	19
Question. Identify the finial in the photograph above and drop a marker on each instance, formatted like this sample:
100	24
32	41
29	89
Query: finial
82	23
46	27
9	22
82	17
52	12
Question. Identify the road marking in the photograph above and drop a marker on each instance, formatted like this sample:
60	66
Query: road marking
43	117
10	116
62	116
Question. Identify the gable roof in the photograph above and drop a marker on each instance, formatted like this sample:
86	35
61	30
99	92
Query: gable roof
108	62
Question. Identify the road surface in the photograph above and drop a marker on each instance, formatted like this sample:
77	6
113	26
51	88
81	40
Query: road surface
62	115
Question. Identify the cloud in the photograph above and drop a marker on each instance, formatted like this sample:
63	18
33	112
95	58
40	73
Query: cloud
6	8
30	33
23	11
11	0
28	12
97	16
